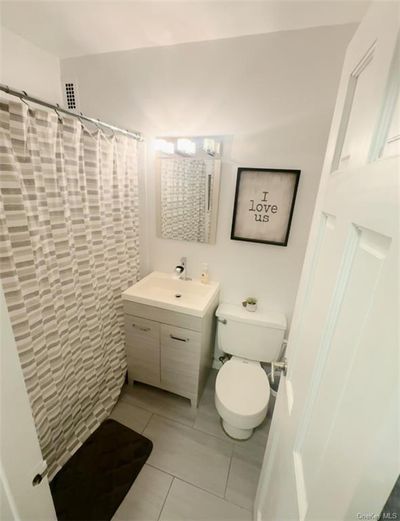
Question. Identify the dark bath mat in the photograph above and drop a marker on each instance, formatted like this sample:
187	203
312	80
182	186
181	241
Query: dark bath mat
93	483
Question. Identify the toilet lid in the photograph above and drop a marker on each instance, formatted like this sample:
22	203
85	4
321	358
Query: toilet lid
242	386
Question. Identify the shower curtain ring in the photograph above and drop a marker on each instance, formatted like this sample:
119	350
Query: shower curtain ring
24	94
97	124
57	106
112	135
81	120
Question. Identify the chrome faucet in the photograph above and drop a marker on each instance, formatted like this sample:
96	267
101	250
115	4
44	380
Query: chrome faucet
180	270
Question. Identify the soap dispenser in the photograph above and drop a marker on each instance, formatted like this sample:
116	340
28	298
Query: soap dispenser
204	274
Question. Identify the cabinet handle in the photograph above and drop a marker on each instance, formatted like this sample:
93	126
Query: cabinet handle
141	328
180	339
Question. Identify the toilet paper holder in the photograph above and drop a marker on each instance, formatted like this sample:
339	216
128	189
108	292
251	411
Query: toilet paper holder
280	366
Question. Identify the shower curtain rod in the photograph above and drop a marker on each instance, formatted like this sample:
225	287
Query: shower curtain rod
23	95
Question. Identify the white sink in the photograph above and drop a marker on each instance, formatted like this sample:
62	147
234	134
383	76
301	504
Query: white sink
163	290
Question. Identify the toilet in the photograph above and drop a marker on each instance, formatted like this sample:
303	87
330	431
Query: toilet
242	389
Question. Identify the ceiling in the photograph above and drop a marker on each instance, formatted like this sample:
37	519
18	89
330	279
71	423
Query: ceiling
76	28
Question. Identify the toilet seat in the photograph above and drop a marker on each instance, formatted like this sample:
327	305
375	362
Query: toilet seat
242	393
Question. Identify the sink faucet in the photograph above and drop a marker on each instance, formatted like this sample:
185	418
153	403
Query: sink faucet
180	270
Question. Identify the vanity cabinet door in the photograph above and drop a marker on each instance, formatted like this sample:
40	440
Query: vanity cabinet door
143	349
180	353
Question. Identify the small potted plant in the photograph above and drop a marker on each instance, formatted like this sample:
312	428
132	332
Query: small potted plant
250	304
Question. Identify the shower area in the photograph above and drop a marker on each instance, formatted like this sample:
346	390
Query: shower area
69	245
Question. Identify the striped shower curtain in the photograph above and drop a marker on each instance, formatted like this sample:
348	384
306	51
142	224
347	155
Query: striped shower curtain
68	248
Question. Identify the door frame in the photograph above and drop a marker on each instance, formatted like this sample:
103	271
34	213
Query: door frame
21	458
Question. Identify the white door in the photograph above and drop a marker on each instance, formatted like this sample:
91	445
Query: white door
21	458
333	451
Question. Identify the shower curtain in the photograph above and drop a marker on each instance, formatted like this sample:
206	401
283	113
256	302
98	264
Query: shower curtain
184	199
68	247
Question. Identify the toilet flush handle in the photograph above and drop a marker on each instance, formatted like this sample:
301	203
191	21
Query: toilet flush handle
222	320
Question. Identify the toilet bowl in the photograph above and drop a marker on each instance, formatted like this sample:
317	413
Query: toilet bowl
242	388
241	396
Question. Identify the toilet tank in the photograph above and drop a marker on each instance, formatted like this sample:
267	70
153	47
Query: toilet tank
254	335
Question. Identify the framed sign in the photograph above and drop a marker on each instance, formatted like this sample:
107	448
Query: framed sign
264	203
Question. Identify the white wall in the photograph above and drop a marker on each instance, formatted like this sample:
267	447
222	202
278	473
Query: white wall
26	67
273	93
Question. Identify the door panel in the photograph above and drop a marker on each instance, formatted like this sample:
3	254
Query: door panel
391	146
351	305
362	89
355	117
365	421
386	142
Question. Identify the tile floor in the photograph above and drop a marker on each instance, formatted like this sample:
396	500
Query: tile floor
195	472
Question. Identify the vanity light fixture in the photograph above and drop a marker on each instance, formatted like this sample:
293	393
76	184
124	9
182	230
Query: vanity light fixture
186	146
162	145
211	147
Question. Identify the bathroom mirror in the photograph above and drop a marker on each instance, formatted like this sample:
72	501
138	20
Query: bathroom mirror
187	184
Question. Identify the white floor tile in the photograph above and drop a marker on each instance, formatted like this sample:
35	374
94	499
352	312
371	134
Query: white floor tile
260	434
133	417
146	497
207	418
245	469
186	502
191	455
194	449
159	402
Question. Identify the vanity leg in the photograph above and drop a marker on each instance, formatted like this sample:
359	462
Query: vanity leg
131	381
194	405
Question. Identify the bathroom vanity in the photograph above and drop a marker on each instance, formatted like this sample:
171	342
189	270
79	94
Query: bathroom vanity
170	328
